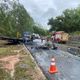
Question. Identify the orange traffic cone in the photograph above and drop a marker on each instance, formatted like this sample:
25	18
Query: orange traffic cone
53	68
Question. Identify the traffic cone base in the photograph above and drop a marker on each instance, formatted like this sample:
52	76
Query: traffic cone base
53	68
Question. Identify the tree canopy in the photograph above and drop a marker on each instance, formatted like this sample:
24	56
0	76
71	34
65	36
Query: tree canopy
69	21
39	30
14	18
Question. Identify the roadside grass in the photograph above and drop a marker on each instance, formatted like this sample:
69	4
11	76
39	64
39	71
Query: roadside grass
9	50
4	75
25	69
6	50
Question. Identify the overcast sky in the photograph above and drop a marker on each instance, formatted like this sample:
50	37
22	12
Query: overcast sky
42	10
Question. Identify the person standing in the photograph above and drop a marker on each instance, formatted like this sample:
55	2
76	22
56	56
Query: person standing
42	39
48	43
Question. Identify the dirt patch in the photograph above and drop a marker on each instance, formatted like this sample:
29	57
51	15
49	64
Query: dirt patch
9	63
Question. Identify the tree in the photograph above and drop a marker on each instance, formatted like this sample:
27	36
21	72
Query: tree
39	30
14	18
69	21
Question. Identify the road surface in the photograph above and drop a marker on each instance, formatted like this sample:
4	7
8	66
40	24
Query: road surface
68	64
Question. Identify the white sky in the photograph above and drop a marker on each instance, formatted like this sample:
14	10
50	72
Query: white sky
41	10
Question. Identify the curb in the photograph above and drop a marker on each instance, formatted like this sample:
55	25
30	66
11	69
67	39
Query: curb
28	52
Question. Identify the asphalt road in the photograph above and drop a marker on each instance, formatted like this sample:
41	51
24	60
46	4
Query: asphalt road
68	64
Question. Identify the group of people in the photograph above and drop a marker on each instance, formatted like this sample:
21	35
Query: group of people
49	44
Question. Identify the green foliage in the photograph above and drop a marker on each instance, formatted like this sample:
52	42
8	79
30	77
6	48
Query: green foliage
76	33
69	21
14	18
39	30
4	75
